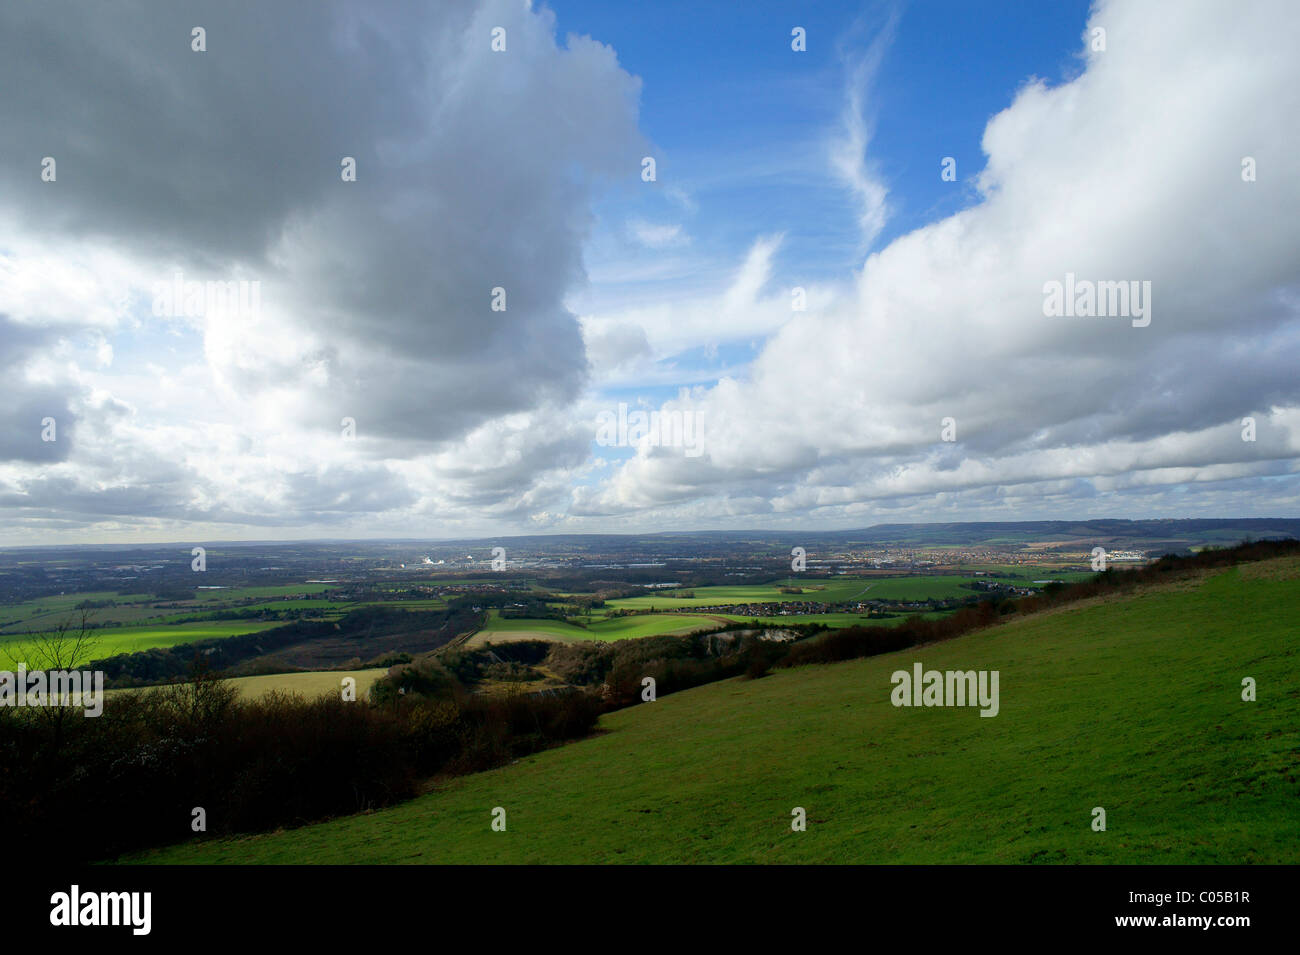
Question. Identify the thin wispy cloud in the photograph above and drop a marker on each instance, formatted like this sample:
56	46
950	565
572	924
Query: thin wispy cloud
849	152
658	235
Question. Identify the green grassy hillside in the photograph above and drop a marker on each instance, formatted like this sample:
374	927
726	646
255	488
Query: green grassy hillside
1132	704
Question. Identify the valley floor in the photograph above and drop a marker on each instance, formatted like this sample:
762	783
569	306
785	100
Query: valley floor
1130	704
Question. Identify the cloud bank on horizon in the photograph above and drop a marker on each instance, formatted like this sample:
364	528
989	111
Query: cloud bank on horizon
431	349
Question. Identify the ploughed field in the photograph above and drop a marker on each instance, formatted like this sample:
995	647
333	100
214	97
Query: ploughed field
1132	704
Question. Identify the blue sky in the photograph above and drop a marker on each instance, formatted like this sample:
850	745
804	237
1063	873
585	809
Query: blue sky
519	168
740	124
740	119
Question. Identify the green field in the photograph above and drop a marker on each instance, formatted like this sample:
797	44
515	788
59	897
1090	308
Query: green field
452	582
326	608
646	625
139	609
821	590
50	611
835	620
146	622
311	684
415	603
308	604
280	590
114	640
1028	573
617	628
1131	704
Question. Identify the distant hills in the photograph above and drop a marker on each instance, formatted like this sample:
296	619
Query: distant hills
1172	534
1106	531
1175	534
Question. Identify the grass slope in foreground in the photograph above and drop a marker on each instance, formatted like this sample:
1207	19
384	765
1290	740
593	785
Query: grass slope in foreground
1133	704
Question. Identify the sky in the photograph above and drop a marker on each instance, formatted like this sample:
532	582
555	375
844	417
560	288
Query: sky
344	269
